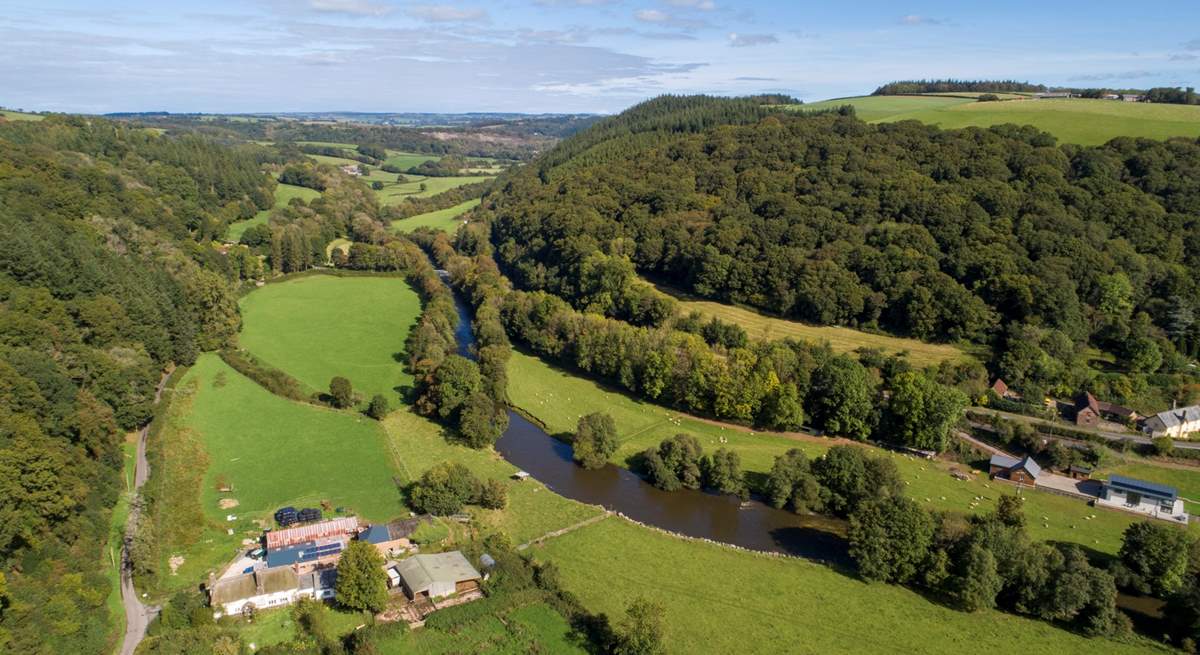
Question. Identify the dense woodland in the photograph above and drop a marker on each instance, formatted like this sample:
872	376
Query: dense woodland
994	236
103	285
908	87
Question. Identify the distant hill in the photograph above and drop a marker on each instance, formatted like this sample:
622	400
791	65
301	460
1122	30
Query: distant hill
1076	120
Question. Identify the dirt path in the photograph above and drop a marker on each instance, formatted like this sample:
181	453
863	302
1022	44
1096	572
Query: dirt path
137	614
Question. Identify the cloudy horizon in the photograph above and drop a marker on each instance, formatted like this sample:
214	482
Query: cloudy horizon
541	56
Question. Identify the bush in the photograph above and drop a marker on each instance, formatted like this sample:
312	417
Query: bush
378	407
494	495
444	489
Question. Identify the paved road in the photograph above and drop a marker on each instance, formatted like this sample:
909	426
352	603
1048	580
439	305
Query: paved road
137	614
1103	434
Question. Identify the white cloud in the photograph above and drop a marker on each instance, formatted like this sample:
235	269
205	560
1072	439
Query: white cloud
737	40
915	19
652	16
703	5
446	13
355	7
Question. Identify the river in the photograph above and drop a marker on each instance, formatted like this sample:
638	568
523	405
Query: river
752	524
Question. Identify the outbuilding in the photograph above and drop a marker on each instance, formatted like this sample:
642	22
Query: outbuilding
438	575
1021	471
1149	498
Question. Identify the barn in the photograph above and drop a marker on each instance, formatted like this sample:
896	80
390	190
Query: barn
438	575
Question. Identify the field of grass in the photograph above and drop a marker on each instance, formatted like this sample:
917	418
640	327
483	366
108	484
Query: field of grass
283	195
394	192
445	220
534	628
407	160
1075	120
318	327
275	626
19	116
224	429
532	511
558	398
841	339
719	600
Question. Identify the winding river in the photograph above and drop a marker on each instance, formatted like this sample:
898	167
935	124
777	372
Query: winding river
753	525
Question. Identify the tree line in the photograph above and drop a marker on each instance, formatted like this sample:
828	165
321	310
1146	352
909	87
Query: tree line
910	87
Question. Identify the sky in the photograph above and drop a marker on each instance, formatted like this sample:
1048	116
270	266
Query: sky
535	56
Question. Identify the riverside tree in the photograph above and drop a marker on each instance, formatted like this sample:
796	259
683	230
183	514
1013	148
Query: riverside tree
595	440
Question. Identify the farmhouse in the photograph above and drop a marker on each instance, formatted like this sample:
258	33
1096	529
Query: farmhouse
1021	471
267	588
437	576
391	537
1089	411
1149	498
1174	423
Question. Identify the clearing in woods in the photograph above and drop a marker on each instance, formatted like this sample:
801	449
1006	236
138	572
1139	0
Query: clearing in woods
321	326
778	605
283	195
446	220
1075	120
841	339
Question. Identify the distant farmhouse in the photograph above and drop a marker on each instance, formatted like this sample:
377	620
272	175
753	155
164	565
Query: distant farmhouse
1174	423
1021	471
1089	411
1149	498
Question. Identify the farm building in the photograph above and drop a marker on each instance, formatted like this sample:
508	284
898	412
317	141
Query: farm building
1174	423
267	588
1149	498
345	528
437	576
1089	411
1000	388
1021	471
391	537
308	556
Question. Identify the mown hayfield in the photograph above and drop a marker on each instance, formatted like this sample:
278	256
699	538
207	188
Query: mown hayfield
841	339
532	510
333	161
407	160
1076	120
558	398
446	220
719	600
224	429
318	327
19	116
283	195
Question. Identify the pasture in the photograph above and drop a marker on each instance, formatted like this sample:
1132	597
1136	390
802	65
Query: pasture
394	192
532	628
317	327
10	115
557	399
719	600
446	220
841	339
1076	120
224	430
283	195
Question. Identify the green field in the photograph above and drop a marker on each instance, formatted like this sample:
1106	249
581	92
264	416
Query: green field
333	161
719	600
319	327
407	160
223	429
1075	120
19	116
558	399
394	192
445	220
283	195
534	628
841	339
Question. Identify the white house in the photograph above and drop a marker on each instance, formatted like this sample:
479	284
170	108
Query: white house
1174	423
1149	498
267	588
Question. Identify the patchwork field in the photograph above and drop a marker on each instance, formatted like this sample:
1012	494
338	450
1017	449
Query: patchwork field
318	327
841	339
1075	120
719	600
283	195
445	220
558	398
224	430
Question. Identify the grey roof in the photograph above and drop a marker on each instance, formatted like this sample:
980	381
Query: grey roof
244	586
320	579
1173	418
1029	465
420	572
1003	461
1143	487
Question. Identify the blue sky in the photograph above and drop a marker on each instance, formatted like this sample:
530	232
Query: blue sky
561	55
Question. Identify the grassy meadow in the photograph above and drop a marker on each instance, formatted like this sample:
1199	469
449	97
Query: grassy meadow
223	429
283	195
445	220
394	192
10	115
534	628
841	339
321	326
557	399
719	600
1076	120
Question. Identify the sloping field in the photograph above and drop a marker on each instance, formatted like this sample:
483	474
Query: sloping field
283	195
445	220
1075	120
719	600
318	327
19	116
841	339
